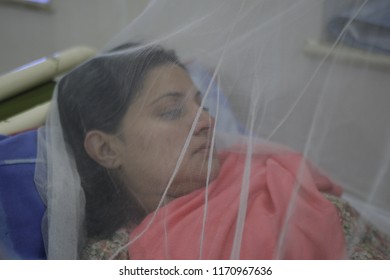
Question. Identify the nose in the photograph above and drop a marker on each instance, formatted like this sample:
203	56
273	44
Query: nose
205	124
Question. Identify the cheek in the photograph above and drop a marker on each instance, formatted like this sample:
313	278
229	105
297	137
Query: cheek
168	142
153	150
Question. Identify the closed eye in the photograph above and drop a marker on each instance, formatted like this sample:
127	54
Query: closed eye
172	114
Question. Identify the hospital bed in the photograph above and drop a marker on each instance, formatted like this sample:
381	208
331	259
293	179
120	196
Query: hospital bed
26	91
25	95
24	102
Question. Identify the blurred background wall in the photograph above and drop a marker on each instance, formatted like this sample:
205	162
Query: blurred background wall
28	33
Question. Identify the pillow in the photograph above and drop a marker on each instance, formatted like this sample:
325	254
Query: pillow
227	122
21	207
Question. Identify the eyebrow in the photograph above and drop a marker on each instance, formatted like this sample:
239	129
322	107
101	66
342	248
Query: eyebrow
176	95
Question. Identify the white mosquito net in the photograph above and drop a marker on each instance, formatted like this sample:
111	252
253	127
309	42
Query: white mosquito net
225	130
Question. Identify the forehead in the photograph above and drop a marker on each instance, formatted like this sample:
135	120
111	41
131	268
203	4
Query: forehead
165	79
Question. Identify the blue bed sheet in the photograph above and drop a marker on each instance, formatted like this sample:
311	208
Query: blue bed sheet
21	207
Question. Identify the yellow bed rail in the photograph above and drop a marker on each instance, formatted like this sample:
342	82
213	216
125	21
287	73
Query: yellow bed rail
30	76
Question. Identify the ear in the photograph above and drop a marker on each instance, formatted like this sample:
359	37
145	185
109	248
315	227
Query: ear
103	148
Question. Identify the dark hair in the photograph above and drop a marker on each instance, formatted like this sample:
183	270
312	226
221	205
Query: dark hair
96	96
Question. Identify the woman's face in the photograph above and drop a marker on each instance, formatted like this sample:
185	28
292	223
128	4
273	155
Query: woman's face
154	131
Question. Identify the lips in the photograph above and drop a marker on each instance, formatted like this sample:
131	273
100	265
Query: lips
206	147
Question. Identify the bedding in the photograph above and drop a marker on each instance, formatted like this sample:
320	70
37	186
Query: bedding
323	225
372	245
21	207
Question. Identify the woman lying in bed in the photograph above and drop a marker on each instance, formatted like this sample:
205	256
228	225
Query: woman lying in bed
126	117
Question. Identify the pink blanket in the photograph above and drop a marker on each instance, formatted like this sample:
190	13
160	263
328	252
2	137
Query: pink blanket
308	228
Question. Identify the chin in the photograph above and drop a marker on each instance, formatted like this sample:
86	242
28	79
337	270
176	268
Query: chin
214	171
196	178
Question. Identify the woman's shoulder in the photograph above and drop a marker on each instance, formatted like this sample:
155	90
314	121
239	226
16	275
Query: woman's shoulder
106	248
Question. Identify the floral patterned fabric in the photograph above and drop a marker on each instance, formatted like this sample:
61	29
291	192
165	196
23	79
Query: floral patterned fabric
105	249
363	241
